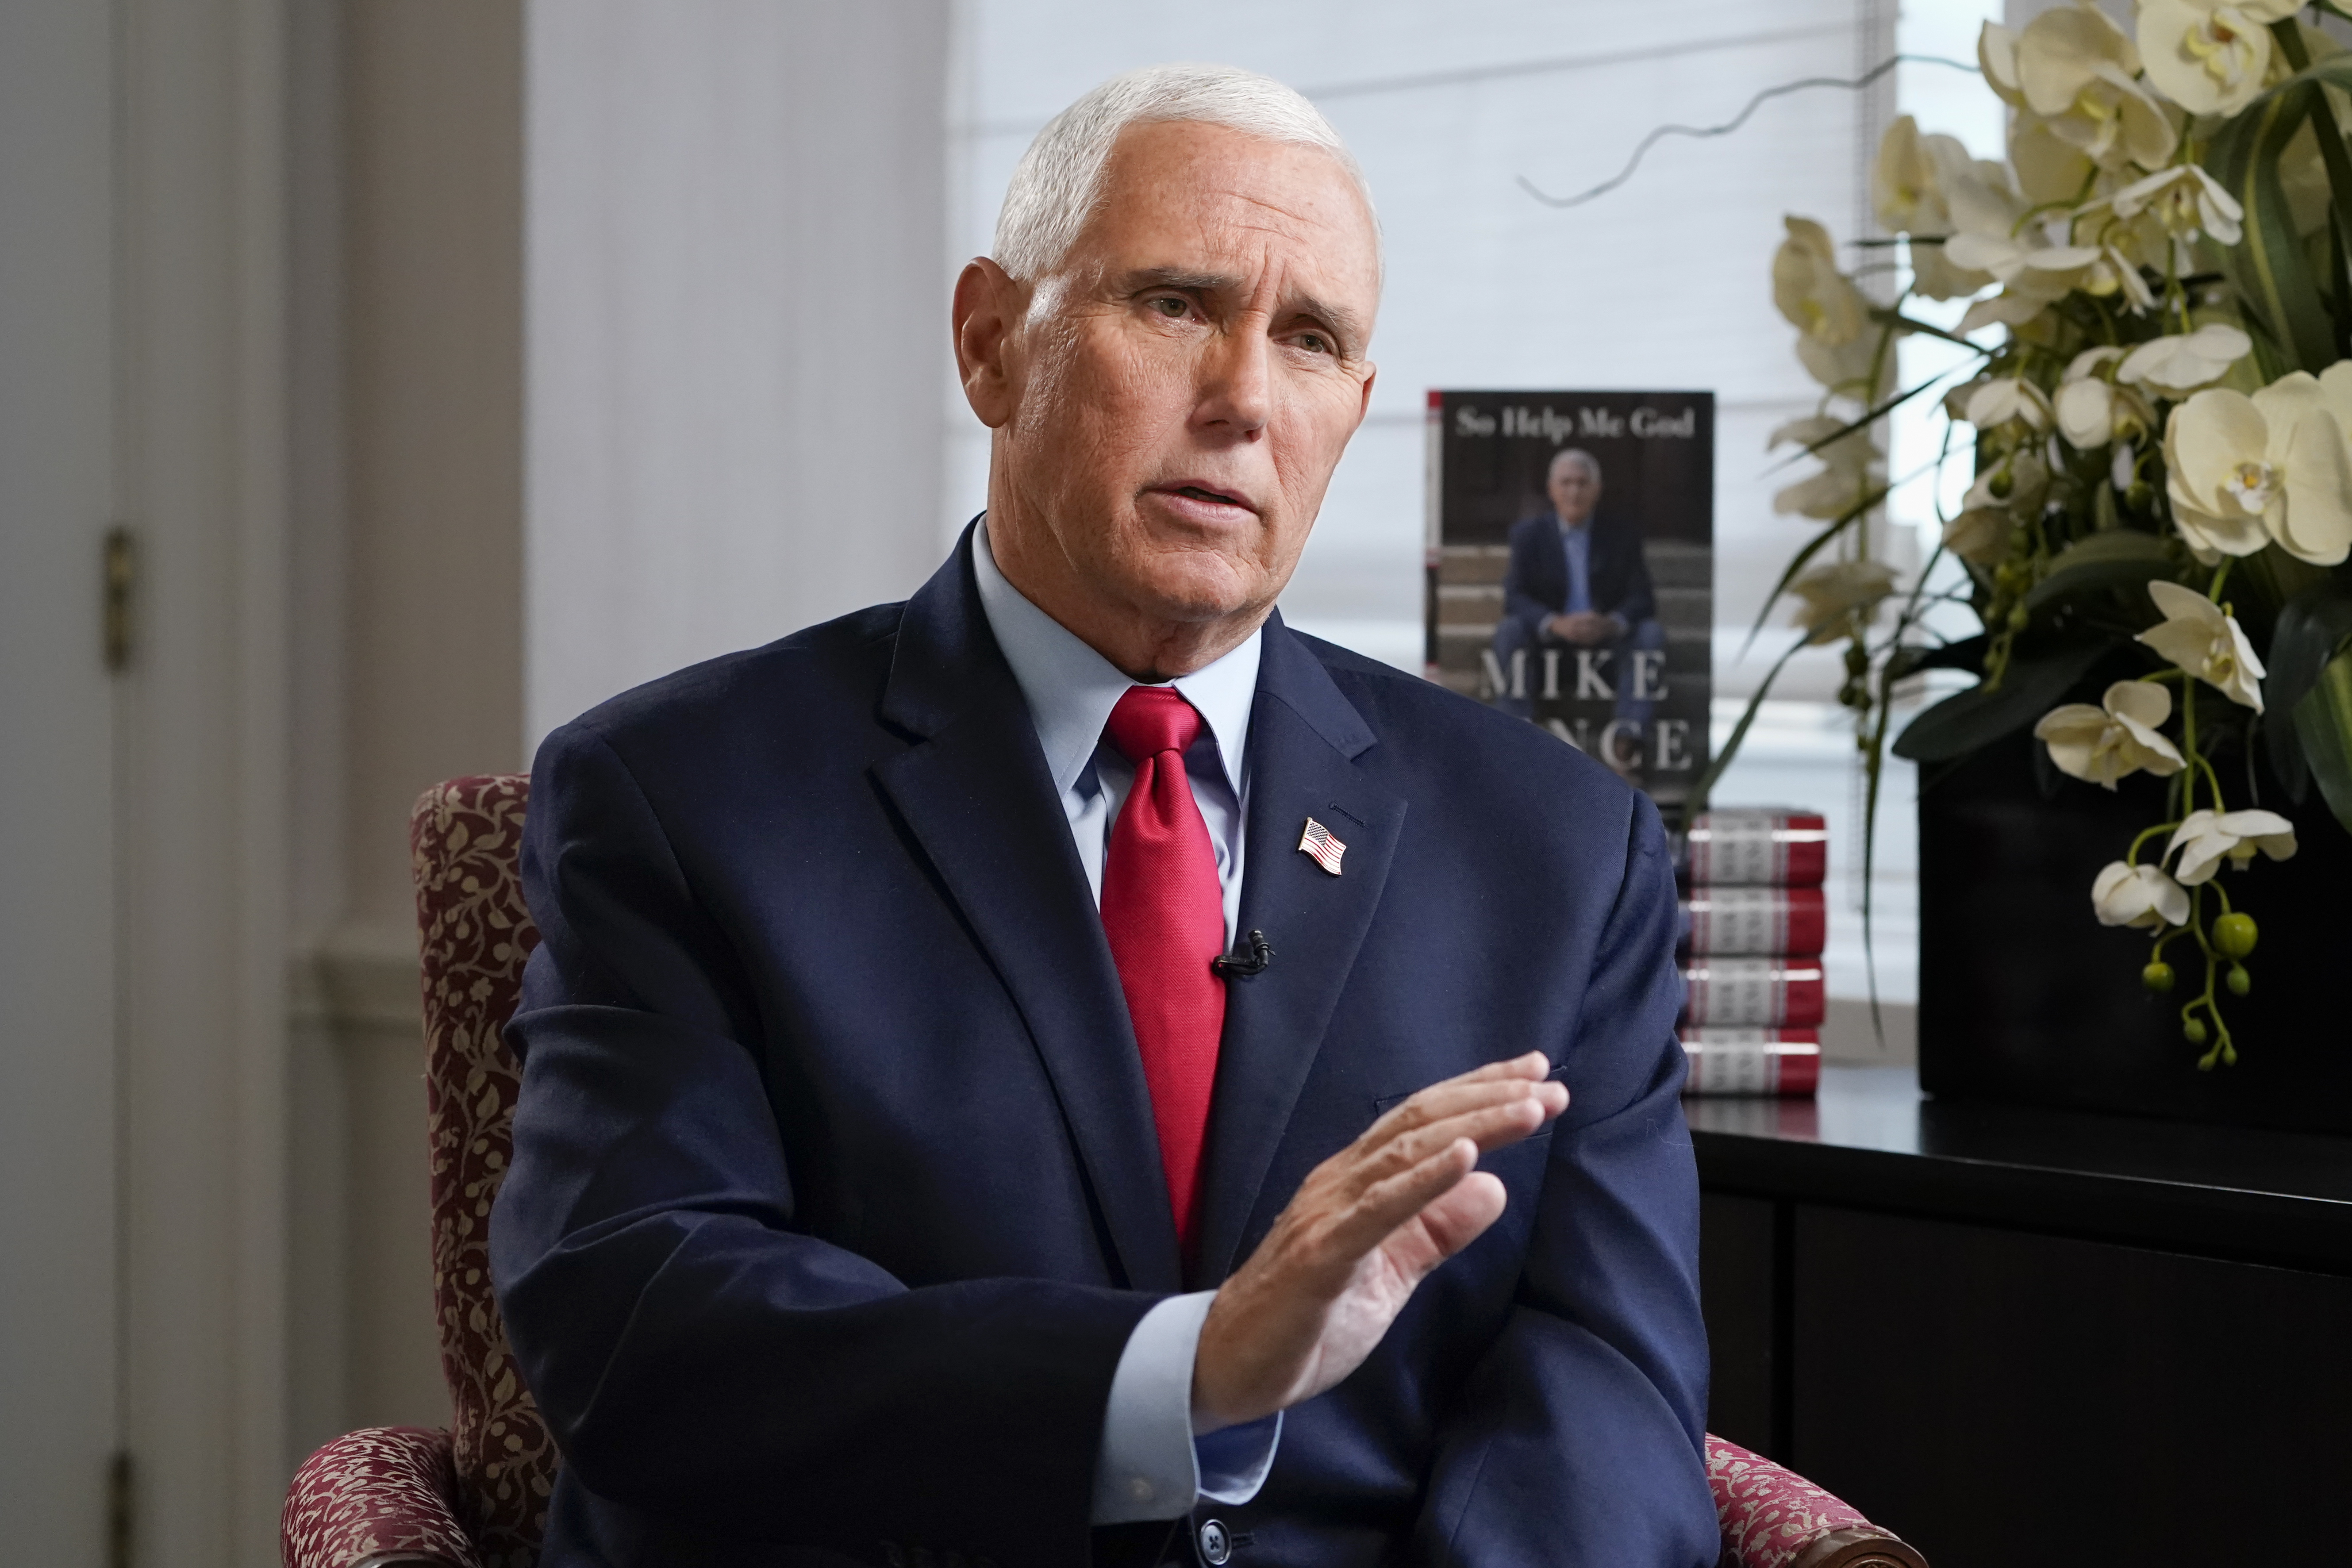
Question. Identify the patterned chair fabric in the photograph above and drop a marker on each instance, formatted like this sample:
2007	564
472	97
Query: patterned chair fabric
464	840
373	1499
476	1497
1773	1518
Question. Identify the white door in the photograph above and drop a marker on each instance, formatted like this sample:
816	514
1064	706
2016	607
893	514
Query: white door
59	1394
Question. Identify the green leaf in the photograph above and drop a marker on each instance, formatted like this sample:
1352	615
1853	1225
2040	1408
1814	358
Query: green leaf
1696	802
1803	557
2270	266
2118	558
2323	722
2036	681
2311	630
1812	447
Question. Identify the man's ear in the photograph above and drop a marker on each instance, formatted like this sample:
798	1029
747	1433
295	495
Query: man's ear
989	309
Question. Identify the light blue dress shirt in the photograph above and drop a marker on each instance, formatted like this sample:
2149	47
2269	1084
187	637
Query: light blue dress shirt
1577	540
1150	1465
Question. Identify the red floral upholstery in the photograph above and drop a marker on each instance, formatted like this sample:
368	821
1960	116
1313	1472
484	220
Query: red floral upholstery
375	1498
476	1497
1773	1518
464	844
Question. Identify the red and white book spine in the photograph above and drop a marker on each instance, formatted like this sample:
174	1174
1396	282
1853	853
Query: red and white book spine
1754	922
1753	993
1757	847
1753	1061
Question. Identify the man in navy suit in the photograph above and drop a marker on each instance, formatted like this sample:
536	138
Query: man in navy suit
1576	582
1069	1069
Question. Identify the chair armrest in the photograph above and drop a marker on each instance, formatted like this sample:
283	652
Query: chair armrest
1774	1518
383	1498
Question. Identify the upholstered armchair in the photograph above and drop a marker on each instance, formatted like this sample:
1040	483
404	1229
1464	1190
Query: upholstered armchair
475	1496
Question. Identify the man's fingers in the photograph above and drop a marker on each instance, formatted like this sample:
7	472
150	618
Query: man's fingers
1460	1214
1492	1114
1389	1202
1489	1127
1481	1086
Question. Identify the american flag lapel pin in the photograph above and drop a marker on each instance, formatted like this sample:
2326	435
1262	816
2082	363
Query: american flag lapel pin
1319	845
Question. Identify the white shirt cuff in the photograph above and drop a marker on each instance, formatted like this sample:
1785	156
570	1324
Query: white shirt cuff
1151	1466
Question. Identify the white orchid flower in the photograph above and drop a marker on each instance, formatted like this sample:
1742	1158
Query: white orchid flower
1851	467
2094	412
2178	365
1817	299
1998	401
2050	172
2209	57
2205	840
2047	272
2115	739
2009	491
1838	597
2186	201
2006	308
2199	637
1913	183
2022	266
1829	314
2243	472
1904	190
2140	895
2077	72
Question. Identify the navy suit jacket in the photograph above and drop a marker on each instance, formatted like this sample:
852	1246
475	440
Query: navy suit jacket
1534	589
836	1193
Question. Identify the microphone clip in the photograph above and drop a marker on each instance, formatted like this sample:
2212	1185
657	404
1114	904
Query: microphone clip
1229	964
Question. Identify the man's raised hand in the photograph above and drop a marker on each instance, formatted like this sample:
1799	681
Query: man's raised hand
1366	1227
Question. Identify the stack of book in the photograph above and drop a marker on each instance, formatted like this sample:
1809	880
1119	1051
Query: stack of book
1754	922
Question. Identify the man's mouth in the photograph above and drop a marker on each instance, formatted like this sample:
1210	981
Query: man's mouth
1205	495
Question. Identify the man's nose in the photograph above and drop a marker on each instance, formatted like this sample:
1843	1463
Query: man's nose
1236	381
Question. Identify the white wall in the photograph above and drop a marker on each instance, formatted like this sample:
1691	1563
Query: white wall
736	325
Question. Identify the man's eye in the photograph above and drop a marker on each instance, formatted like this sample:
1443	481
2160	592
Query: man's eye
1172	307
1314	342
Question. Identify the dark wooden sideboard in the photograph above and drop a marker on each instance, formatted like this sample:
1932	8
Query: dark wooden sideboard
2019	1337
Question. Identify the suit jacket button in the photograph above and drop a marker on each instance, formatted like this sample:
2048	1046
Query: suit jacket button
1216	1546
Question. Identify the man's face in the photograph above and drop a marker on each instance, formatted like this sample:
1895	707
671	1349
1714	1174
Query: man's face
1181	389
1575	491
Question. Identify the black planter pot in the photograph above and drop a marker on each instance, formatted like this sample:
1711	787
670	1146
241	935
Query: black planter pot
2025	996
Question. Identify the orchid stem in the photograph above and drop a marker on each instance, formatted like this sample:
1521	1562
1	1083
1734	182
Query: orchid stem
2131	856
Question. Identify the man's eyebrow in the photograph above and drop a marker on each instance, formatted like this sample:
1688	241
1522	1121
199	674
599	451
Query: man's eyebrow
1177	278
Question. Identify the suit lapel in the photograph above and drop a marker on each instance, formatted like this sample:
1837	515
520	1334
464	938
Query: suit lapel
975	792
1304	738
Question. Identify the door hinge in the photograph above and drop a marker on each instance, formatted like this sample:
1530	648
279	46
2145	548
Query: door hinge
118	1509
122	573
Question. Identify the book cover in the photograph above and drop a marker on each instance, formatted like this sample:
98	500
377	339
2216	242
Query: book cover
1732	922
1752	1061
1570	570
1773	847
1753	993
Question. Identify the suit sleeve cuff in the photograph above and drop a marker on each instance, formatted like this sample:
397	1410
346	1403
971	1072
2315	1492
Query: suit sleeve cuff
1151	1466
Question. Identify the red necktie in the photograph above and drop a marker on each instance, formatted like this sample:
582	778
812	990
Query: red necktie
1165	916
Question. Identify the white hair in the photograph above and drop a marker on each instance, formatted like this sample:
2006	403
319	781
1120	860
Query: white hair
1060	179
1580	456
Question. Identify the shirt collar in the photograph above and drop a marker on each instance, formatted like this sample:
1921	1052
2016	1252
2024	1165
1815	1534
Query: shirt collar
1071	688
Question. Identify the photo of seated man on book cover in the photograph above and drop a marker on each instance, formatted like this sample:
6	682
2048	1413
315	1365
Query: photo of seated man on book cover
1571	566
